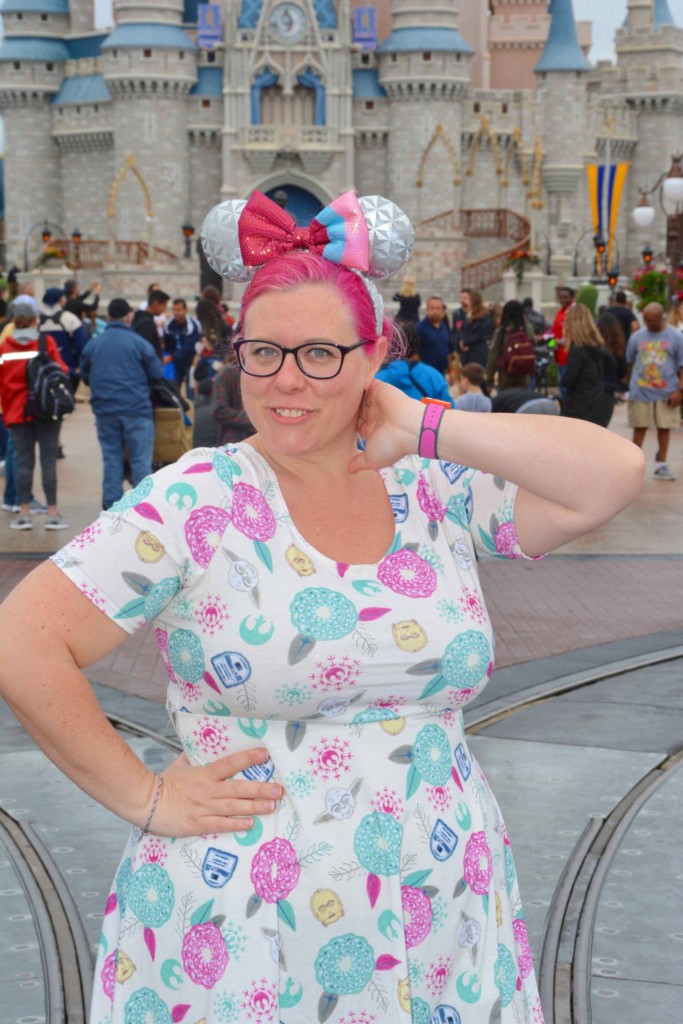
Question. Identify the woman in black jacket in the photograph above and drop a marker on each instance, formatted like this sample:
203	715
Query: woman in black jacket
589	366
476	333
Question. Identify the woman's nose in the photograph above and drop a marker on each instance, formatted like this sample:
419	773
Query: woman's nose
290	375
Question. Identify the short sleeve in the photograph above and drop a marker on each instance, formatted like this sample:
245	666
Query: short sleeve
157	540
481	504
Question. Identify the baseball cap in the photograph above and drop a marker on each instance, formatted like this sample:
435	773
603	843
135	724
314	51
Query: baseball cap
22	307
52	296
118	308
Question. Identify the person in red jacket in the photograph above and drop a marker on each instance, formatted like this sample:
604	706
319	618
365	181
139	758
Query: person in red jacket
15	351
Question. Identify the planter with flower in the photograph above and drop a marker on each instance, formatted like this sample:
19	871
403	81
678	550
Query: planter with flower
51	256
651	285
521	260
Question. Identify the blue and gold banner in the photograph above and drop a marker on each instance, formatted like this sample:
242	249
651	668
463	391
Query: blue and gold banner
605	189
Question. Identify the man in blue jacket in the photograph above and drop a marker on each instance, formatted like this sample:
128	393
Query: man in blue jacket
120	366
181	337
415	378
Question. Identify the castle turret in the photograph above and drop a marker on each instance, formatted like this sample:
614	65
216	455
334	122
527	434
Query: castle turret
32	61
150	65
561	74
424	68
663	15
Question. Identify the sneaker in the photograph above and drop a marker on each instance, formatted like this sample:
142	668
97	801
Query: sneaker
21	523
36	509
663	472
10	508
56	523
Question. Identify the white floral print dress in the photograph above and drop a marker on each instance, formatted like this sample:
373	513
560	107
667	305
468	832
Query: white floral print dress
382	890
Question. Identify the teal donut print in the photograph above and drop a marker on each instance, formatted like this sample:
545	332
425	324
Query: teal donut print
377	843
151	895
135	496
466	660
432	755
420	1011
505	975
123	877
345	965
323	614
187	655
159	596
146	1007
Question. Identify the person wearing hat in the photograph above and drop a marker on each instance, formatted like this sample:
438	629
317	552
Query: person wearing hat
15	351
66	328
119	366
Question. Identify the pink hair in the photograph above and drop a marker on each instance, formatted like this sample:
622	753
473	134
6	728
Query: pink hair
303	267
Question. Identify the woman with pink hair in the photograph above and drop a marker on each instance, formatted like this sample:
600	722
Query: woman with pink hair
302	584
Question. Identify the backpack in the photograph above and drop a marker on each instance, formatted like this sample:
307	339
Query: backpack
49	395
518	358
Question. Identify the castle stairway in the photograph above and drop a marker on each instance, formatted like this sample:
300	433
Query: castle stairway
494	223
92	253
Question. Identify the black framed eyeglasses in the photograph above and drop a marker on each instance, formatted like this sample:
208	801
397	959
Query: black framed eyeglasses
320	360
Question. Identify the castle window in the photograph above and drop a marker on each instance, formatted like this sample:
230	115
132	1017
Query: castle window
20	16
426	56
369	104
206	104
96	108
49	67
365	58
394	58
45	17
147	53
505	108
78	110
114	54
211	57
181	55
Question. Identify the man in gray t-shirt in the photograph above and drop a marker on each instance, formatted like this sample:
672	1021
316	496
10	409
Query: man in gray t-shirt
655	361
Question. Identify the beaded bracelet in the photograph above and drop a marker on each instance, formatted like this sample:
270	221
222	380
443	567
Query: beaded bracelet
138	832
429	431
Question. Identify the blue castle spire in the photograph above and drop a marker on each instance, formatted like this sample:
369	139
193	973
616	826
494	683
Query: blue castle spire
663	14
562	51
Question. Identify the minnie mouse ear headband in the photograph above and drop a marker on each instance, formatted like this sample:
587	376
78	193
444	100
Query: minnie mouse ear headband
370	236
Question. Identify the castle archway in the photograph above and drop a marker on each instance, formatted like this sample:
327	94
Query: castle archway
129	167
299	202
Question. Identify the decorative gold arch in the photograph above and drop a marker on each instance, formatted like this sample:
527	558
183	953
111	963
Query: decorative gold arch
129	167
442	136
485	133
515	146
536	189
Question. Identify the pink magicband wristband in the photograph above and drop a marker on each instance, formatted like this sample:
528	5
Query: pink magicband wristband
429	431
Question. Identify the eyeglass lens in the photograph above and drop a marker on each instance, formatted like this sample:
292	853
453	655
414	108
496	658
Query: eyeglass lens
262	359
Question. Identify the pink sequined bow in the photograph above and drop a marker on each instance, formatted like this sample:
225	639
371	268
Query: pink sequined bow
339	232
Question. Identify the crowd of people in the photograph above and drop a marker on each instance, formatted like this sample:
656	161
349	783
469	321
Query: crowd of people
132	360
495	356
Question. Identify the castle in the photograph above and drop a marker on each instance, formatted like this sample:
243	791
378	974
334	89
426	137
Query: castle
133	134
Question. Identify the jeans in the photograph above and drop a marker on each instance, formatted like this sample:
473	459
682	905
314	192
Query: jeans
116	433
25	437
11	495
182	373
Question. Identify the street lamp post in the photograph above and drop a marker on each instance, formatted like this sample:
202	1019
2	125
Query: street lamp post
670	189
188	231
76	239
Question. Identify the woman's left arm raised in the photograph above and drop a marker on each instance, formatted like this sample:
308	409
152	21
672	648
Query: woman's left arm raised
572	476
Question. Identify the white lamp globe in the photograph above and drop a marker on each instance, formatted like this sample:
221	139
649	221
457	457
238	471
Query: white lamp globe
644	215
673	183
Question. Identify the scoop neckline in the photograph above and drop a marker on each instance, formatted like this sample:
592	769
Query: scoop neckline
355	567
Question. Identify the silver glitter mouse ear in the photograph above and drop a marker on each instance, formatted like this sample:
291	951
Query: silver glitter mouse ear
391	235
221	243
375	298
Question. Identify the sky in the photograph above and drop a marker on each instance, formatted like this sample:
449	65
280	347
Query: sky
607	16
